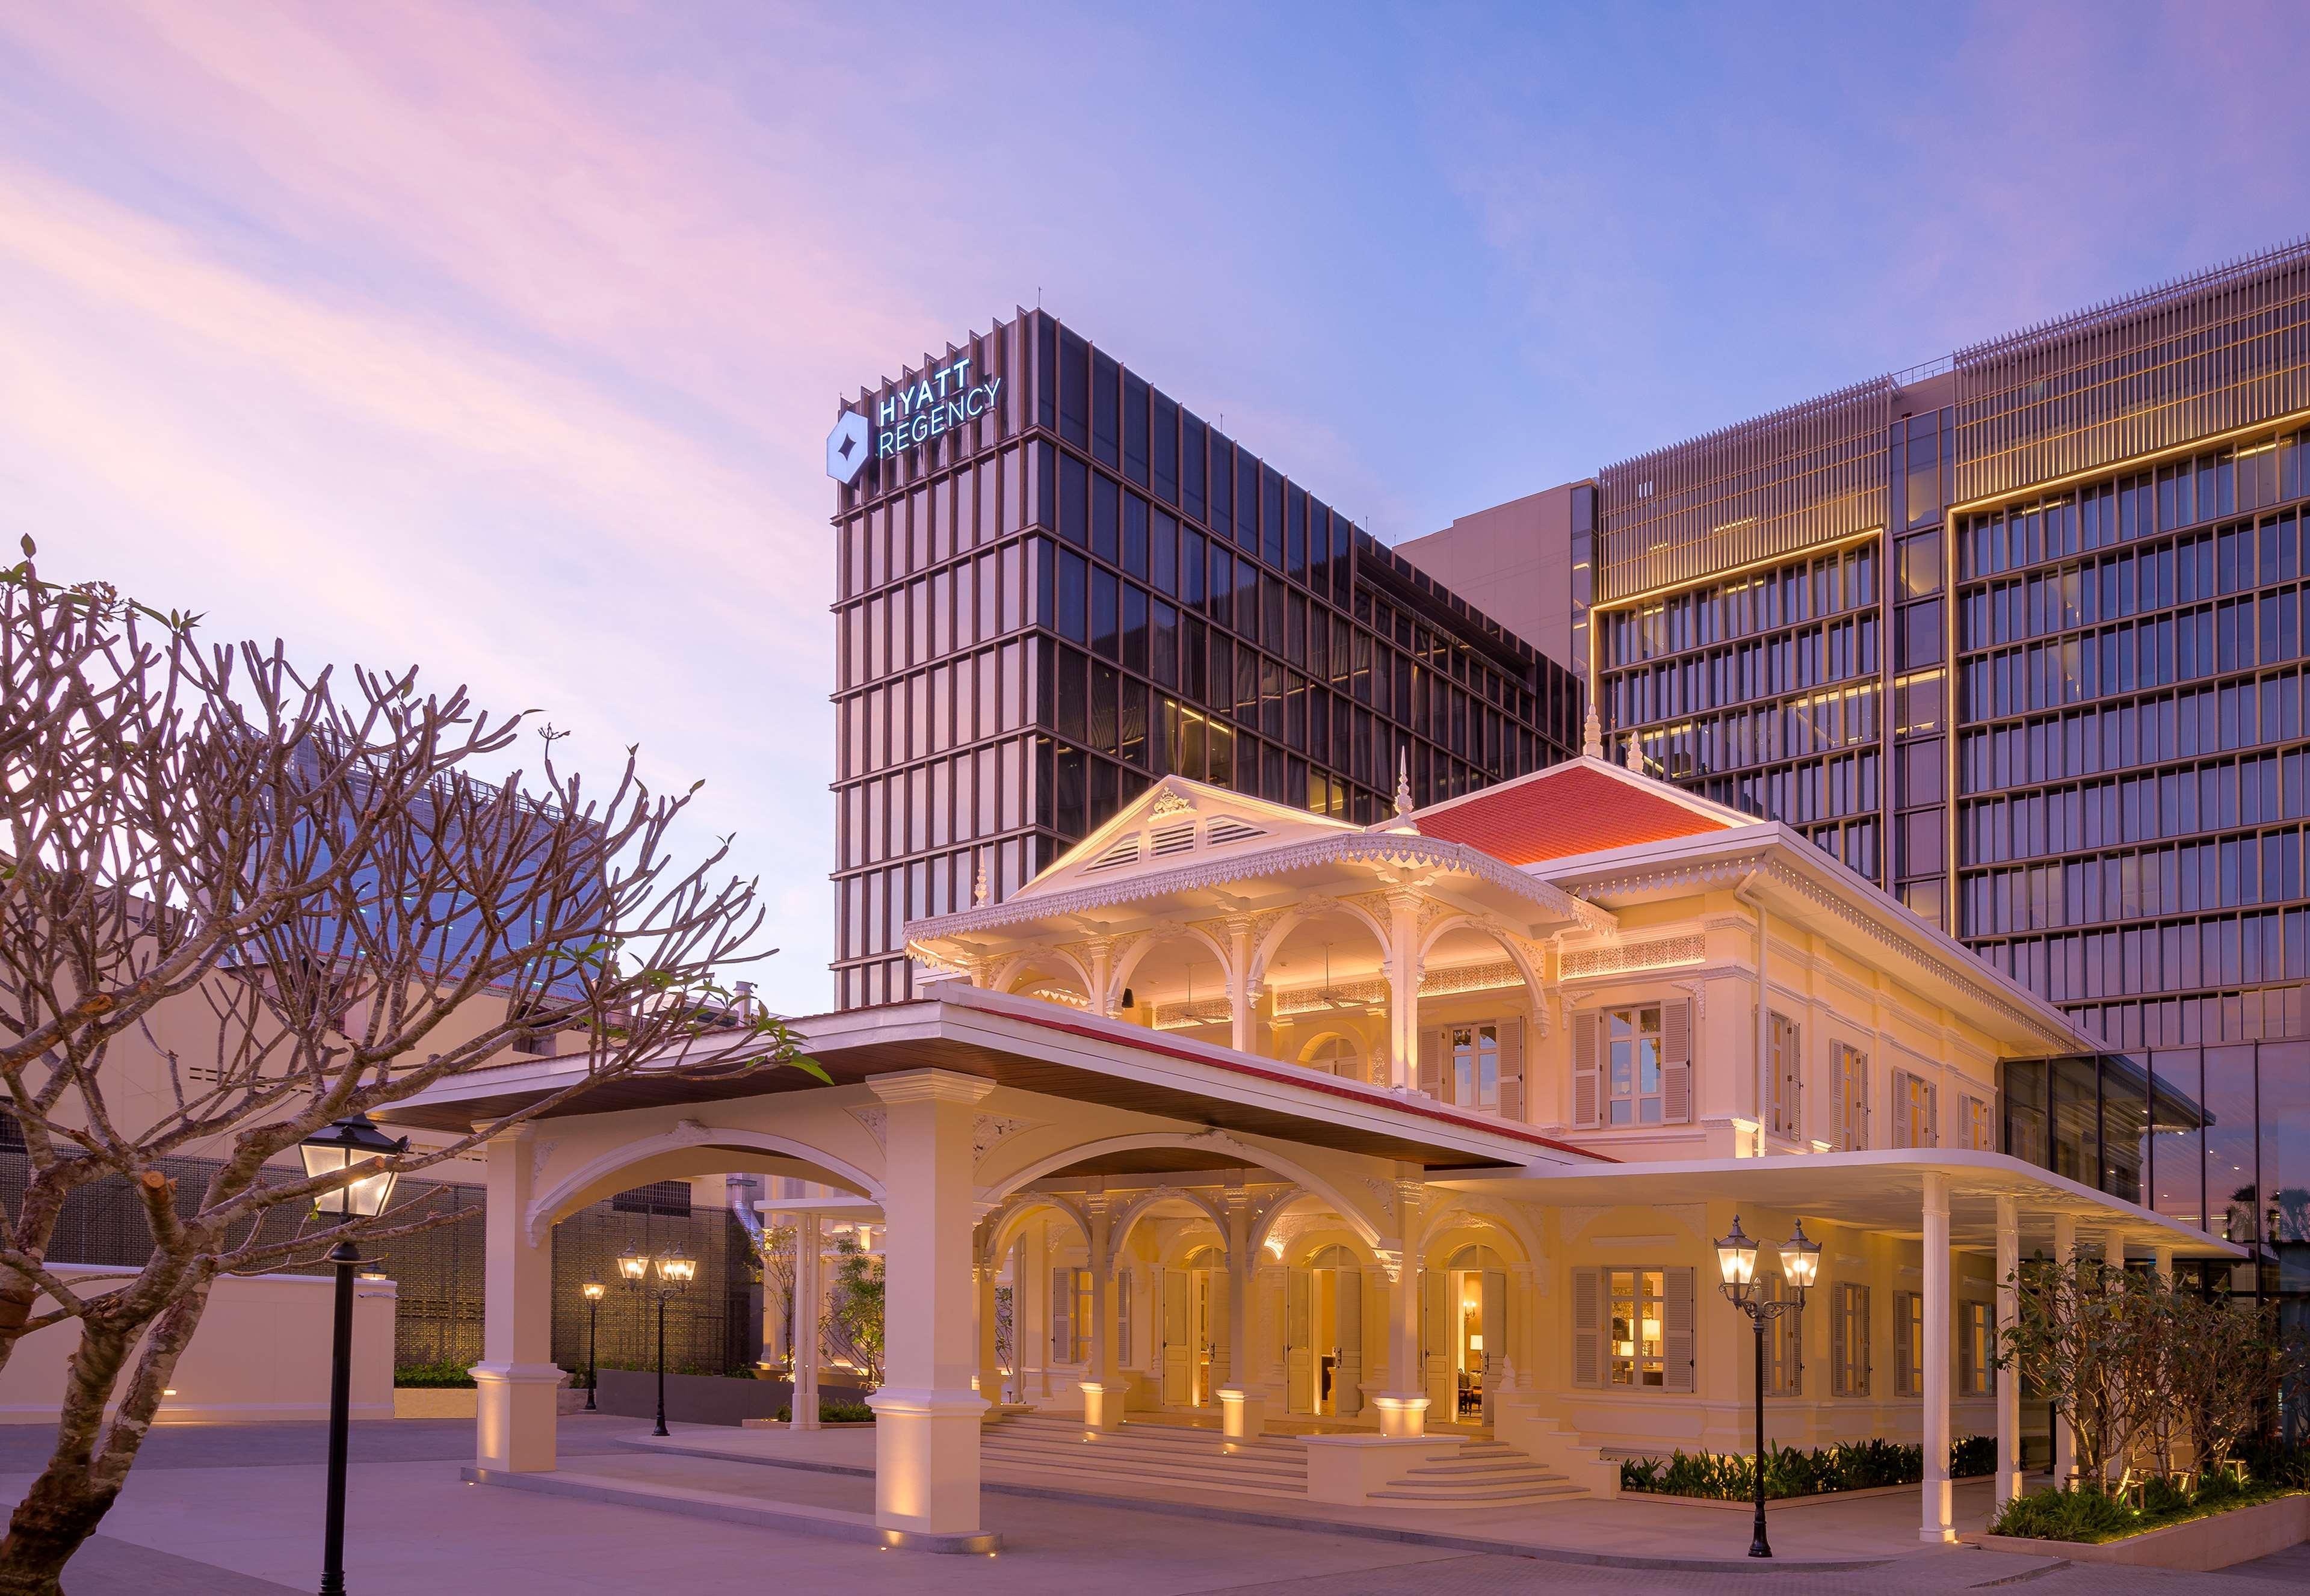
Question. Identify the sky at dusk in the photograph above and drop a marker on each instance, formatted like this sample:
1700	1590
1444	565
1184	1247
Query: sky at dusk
503	339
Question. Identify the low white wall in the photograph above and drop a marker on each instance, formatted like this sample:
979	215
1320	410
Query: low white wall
261	1351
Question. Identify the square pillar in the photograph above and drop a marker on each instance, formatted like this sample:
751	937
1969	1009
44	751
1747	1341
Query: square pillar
1243	1403
1103	1385
1403	1408
2065	1455
810	1306
1402	998
1938	1523
927	1417
516	1384
985	1280
2008	1384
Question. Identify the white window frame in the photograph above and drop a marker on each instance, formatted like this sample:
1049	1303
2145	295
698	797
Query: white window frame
1636	1018
1473	1055
1647	1286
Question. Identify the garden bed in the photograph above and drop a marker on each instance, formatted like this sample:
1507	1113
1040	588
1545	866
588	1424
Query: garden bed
2214	1537
1842	1471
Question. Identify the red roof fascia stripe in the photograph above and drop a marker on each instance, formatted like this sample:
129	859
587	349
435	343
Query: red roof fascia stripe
1575	811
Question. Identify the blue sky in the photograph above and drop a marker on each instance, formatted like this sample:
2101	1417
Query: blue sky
503	338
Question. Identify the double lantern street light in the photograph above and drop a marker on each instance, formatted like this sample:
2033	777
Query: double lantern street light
342	1146
675	1270
1736	1261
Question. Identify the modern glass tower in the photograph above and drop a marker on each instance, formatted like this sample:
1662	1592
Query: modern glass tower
1056	584
2017	634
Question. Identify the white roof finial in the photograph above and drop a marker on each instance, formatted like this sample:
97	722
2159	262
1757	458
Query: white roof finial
1592	734
1635	755
978	892
1403	781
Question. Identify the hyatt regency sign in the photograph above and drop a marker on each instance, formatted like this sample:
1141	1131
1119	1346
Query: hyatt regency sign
933	403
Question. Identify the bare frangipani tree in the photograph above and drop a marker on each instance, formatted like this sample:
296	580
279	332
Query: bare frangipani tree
272	899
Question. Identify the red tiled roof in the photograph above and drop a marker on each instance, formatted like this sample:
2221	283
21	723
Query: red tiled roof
1573	808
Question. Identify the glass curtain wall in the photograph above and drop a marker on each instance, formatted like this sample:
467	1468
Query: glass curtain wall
2133	773
1042	614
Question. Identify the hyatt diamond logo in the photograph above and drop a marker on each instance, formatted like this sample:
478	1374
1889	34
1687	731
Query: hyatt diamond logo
846	447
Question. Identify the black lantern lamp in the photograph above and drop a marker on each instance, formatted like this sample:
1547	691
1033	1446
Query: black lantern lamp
593	1292
675	1269
1736	1264
345	1145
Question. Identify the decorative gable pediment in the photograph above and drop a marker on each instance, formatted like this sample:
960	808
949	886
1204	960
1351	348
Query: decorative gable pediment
1175	823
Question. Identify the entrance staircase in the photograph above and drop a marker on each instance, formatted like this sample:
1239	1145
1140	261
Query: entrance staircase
1141	1458
1127	1461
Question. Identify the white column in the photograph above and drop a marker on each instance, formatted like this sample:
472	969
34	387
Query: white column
1403	990
2113	1249
1243	1403
2008	1384
984	1278
1403	1407
2065	1457
1938	1521
2161	1260
1245	1035
516	1383
1102	1001
1103	1387
809	1305
927	1417
1030	1309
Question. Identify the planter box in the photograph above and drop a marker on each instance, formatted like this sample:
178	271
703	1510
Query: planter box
435	1401
703	1399
2198	1546
1774	1504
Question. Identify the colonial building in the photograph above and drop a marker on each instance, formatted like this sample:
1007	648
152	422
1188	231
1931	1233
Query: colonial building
1373	1144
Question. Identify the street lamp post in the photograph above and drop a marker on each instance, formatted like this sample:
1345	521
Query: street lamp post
675	1269
1736	1262
341	1147
591	1291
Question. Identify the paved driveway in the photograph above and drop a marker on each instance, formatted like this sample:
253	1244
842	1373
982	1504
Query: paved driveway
235	1511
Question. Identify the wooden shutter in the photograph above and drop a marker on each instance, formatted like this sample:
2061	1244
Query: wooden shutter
1295	1308
1933	1114
1838	1367
1787	1039
1063	1300
1588	1327
1905	1344
1122	1317
1587	1094
1433	1074
1495	1300
1861	1105
1840	1058
1901	1108
1676	1329
1512	1069
1676	1061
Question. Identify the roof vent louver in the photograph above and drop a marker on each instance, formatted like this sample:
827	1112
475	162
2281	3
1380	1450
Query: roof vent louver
1164	841
1226	830
1122	853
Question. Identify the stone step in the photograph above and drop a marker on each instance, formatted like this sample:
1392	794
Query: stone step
1127	1475
1480	1498
1215	1467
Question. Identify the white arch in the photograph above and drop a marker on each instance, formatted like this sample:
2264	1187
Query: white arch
1120	977
1452	922
1008	970
1299	916
1201	1142
1136	1210
544	1210
1014	1214
1474	1212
